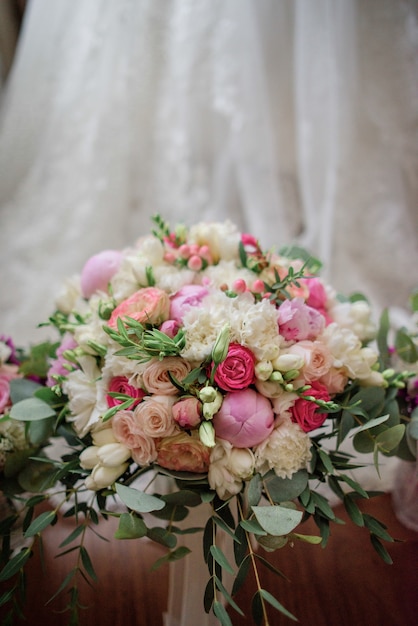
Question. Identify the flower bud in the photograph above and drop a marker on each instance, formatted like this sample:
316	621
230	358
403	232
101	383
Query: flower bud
286	362
276	377
102	477
113	454
208	394
263	370
207	434
103	436
89	458
210	408
220	349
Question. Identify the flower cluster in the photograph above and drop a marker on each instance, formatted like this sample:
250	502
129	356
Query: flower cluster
235	371
222	366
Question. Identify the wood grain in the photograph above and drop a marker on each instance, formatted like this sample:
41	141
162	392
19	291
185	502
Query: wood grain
344	584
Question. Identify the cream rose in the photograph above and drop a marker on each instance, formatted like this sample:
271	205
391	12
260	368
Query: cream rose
317	358
156	379
154	416
184	453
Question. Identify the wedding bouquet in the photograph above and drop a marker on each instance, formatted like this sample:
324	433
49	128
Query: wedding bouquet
234	372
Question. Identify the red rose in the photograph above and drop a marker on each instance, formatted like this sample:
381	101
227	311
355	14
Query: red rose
237	370
306	413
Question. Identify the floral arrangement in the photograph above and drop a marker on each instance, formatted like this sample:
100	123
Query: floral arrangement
234	372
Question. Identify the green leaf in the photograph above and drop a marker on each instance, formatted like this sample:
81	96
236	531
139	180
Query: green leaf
272	600
138	500
354	485
313	539
170	557
220	612
381	550
252	526
376	527
241	575
162	536
382	338
326	461
220	558
353	511
76	532
16	461
373	422
130	527
40	431
37	476
22	389
227	596
405	346
40	523
15	564
363	442
271	543
255	490
286	489
184	497
322	504
388	439
277	520
88	565
31	409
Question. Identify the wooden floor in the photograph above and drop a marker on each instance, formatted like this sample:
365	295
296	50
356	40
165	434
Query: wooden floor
346	584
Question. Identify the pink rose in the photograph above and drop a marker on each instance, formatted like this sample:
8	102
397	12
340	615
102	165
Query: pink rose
187	297
298	321
154	416
120	384
170	328
147	306
126	430
187	412
184	453
155	377
305	412
334	380
98	270
4	392
316	356
245	418
237	370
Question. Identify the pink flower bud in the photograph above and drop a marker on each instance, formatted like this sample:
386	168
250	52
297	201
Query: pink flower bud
195	263
258	286
187	412
239	285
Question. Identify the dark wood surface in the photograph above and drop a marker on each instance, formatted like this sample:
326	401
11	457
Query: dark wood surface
344	584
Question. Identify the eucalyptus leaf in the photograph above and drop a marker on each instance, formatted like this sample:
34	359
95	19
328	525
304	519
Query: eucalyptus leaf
170	557
41	430
221	613
286	489
138	500
389	439
277	520
31	409
130	527
162	536
313	539
373	422
36	476
22	389
363	442
405	346
255	490
271	543
272	600
16	461
15	564
220	558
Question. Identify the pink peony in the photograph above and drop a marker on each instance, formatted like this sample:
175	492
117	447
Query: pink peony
170	328
147	306
187	297
317	298
184	453
120	384
245	418
187	412
298	321
306	412
98	271
237	370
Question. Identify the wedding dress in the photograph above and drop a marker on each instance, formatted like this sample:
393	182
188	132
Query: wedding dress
295	119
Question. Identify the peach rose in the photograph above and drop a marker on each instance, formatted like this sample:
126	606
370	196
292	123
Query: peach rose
334	380
154	416
184	453
126	430
316	356
147	306
155	377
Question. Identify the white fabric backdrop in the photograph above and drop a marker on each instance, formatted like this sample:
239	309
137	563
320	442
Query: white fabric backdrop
298	120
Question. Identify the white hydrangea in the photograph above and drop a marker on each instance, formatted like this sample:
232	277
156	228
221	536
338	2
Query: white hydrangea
286	450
